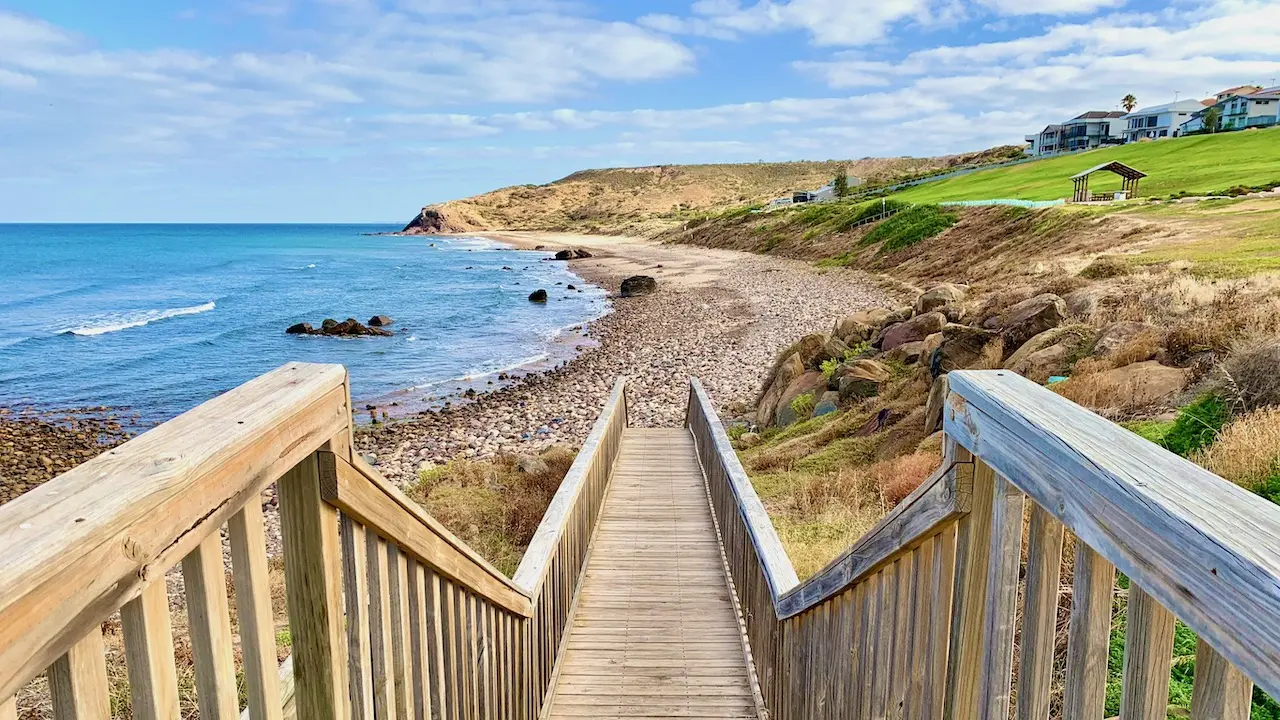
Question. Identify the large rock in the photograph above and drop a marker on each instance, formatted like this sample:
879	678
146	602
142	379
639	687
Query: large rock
962	347
940	296
937	401
1117	334
788	370
1133	386
380	321
572	254
809	383
1048	353
852	330
906	353
538	296
834	349
872	318
531	465
861	378
810	349
302	328
1083	303
347	328
1029	318
1043	364
638	285
914	330
827	404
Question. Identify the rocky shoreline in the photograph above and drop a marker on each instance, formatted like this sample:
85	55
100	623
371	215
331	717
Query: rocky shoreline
718	315
37	446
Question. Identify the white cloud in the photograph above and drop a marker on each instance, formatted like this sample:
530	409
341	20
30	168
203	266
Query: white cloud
829	22
1049	7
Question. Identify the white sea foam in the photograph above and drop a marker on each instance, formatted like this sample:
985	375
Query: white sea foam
120	321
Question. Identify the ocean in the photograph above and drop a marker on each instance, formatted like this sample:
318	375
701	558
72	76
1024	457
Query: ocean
155	319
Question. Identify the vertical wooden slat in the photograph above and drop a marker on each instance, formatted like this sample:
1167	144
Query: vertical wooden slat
209	620
1039	616
999	625
436	672
313	586
886	596
355	582
1148	656
481	618
382	665
148	647
902	626
968	613
9	709
253	611
402	664
448	629
1089	635
1221	691
918	663
867	647
78	681
418	654
943	581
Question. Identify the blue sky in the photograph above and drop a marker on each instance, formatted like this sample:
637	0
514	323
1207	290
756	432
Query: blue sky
365	110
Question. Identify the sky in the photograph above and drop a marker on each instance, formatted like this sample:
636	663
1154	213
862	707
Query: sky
366	110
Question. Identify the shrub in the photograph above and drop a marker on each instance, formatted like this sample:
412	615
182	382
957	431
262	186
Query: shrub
1107	266
1197	424
803	405
909	227
829	367
1247	451
1252	369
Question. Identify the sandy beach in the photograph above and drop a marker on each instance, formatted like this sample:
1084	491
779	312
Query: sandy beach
719	315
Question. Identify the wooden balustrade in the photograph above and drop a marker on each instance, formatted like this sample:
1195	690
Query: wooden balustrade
389	614
919	618
552	566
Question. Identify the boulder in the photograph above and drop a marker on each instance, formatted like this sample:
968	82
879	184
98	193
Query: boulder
572	254
852	330
380	321
1043	364
538	296
1069	337
907	353
962	347
1117	334
349	327
531	464
873	317
940	296
1083	303
809	383
328	324
638	285
302	328
914	330
1029	318
1133	386
748	440
788	370
933	342
810	349
861	378
937	401
834	348
827	404
902	314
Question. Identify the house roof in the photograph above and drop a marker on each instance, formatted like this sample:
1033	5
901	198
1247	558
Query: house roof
1098	115
1237	90
1118	168
1180	106
1051	128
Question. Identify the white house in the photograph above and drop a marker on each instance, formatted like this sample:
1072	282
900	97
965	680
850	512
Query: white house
1092	129
1258	109
1159	121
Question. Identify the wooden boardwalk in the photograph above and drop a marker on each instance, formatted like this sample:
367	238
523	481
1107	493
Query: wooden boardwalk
655	633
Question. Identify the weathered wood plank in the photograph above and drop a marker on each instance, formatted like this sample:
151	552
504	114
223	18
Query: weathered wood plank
380	628
1001	601
968	613
1088	635
9	709
209	624
373	507
1039	616
1221	692
153	497
253	611
313	587
148	647
78	681
1148	656
1201	546
355	583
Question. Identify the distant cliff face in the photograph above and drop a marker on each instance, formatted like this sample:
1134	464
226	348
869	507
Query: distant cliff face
646	200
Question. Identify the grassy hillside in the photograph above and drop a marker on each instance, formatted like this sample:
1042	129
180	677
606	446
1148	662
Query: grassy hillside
1202	164
647	199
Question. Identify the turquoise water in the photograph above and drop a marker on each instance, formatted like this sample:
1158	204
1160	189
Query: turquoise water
159	318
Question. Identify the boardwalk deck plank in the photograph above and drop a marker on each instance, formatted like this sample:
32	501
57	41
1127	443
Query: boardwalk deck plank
655	633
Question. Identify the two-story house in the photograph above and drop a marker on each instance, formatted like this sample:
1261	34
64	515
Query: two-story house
1159	121
1257	109
1092	129
1046	142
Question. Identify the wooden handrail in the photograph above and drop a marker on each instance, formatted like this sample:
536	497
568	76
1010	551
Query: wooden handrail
1204	548
85	543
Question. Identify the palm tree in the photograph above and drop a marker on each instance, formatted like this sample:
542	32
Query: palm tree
1129	102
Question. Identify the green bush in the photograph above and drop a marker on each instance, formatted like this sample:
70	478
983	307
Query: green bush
803	405
1197	424
909	227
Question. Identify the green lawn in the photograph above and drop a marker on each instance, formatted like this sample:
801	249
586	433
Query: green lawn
1199	164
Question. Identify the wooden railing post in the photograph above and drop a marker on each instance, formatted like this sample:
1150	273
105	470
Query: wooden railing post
78	681
1221	691
313	586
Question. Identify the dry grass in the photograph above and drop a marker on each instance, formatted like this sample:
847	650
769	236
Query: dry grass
1247	451
493	506
1252	371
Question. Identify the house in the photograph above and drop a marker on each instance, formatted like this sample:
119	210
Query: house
1158	121
828	191
1256	109
1046	142
1092	129
1238	90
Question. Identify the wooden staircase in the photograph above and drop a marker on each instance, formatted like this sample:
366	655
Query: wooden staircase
655	586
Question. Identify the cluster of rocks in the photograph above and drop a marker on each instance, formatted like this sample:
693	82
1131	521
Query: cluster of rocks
347	328
1033	337
572	254
36	448
638	285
